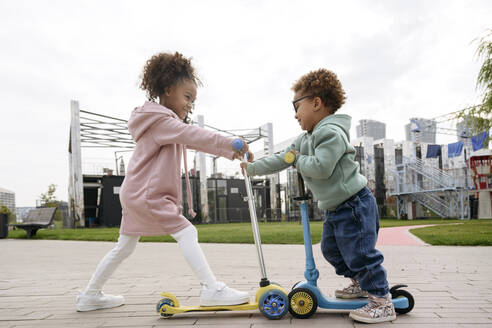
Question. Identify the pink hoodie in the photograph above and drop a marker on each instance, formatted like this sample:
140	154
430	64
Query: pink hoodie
151	192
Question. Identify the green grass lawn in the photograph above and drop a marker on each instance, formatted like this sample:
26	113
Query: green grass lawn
474	232
470	233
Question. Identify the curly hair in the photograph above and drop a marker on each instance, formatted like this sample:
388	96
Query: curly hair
324	84
164	70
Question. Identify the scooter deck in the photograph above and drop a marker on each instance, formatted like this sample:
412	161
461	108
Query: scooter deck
181	309
341	305
176	308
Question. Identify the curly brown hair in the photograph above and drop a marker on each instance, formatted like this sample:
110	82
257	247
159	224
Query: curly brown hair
324	84
164	70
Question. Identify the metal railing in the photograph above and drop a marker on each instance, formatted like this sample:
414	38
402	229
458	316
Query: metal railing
436	178
433	202
443	193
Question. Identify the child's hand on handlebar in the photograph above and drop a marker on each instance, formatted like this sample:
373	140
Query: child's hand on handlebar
240	154
293	151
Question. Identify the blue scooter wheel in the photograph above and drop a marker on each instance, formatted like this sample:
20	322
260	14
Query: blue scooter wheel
274	304
302	303
161	303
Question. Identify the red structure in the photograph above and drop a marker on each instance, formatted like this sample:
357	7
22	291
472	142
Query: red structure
481	170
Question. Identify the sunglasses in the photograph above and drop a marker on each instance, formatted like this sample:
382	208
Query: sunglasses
299	99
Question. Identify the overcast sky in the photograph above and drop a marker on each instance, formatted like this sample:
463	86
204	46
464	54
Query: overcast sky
395	59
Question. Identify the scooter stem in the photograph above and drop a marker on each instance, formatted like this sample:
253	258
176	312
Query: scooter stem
256	231
311	273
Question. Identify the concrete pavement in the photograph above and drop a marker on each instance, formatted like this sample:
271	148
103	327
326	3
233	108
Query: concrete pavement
39	280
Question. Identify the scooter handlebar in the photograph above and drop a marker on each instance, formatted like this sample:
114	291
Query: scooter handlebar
289	158
238	145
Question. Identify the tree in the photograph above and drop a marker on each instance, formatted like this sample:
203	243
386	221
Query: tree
481	114
6	210
48	198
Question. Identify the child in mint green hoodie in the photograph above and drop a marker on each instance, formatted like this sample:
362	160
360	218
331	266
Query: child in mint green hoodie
325	159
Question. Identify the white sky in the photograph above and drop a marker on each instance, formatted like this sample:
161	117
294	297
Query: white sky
395	59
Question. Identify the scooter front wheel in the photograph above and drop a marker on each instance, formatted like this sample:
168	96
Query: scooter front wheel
274	304
302	303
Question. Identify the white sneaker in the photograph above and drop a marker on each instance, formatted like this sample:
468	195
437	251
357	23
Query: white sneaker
222	295
379	309
99	300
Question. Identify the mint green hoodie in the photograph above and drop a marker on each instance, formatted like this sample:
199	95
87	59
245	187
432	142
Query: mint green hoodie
325	161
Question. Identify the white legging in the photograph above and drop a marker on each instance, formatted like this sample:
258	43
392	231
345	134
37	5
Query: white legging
188	243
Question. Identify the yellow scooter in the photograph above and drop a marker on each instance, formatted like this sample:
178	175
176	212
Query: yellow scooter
271	299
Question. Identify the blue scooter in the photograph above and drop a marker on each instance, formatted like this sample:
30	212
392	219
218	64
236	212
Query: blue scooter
306	297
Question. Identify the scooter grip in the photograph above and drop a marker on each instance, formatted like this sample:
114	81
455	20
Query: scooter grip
289	157
238	144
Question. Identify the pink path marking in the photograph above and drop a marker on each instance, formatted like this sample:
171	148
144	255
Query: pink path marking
400	236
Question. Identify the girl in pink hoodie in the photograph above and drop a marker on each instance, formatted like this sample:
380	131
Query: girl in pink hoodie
151	192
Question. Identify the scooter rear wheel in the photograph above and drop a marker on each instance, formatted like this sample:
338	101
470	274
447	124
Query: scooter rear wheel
161	303
403	293
302	303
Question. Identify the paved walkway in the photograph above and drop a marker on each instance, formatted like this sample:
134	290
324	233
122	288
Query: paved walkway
400	236
39	280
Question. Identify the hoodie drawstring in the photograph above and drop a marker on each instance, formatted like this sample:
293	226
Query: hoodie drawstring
188	189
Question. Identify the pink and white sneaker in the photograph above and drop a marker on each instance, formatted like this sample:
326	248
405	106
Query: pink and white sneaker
87	301
222	295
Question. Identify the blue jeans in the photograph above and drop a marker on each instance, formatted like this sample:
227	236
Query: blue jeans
349	239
